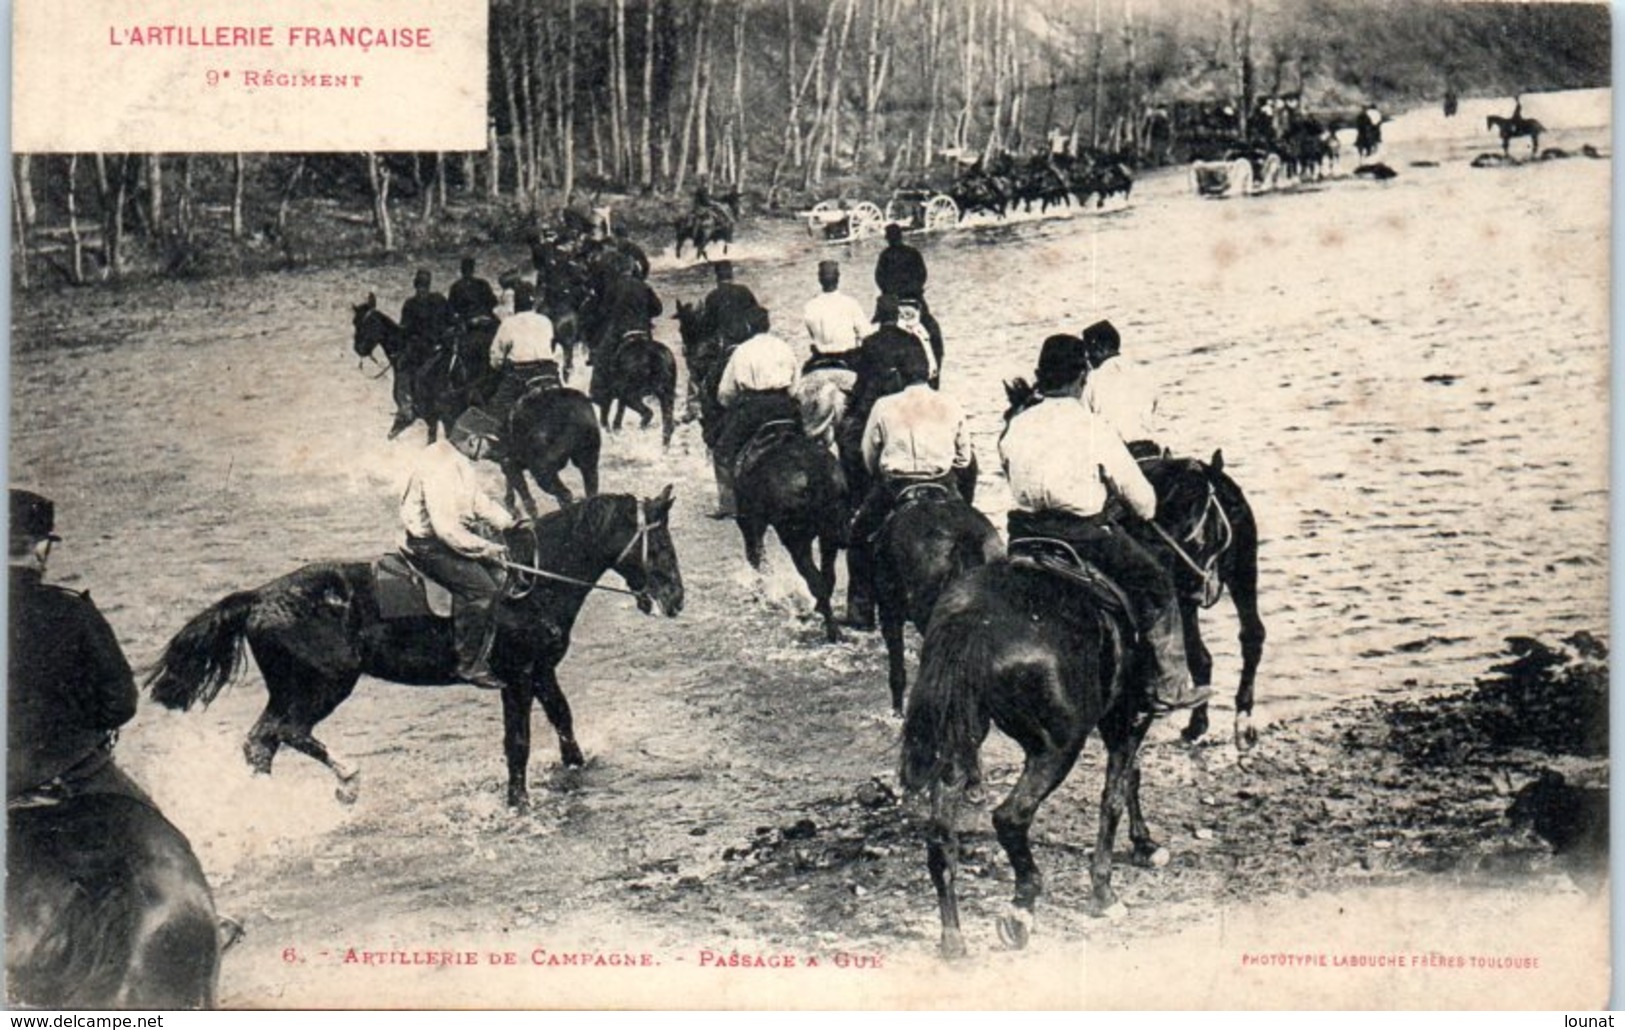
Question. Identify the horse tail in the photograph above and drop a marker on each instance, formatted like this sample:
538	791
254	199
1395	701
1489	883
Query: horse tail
204	656
945	722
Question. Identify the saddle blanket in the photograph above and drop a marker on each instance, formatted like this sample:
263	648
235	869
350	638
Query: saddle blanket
405	593
1059	558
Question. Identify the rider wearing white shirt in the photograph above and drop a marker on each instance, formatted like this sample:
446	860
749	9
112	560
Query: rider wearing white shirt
836	322
1120	391
521	352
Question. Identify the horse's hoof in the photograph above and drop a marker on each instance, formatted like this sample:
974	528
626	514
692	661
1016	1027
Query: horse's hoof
1156	858
570	754
348	789
228	931
520	804
1246	733
1015	928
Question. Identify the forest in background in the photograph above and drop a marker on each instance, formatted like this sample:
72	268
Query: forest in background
636	102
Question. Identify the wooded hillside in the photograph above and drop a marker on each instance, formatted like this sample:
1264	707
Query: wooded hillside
648	98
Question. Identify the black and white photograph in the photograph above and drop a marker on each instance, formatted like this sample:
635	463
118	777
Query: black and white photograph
856	504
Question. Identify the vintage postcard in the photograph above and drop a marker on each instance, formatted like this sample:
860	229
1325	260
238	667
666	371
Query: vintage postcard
326	317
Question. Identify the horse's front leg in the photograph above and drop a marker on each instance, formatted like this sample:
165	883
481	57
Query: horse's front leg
516	743
1045	768
515	476
1201	666
891	630
546	684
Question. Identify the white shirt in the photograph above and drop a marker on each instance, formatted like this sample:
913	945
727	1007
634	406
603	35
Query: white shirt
763	362
443	499
908	319
523	337
1122	393
836	322
1060	456
916	432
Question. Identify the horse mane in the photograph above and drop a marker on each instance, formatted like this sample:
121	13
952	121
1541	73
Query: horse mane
592	519
1021	395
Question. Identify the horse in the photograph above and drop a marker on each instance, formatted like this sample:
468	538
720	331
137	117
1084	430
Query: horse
107	907
932	536
1217	550
639	367
1367	134
549	428
1514	127
435	387
1046	661
703	226
791	482
316	630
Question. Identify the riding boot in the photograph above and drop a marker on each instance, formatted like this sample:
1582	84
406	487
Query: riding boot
726	507
475	628
1168	683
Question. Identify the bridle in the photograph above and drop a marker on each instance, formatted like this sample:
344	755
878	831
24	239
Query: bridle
640	540
1207	571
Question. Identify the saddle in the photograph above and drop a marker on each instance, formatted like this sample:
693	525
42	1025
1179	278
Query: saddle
404	592
1059	558
908	496
767	436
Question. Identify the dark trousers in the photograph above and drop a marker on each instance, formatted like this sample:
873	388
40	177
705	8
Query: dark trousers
516	380
750	411
1145	580
476	587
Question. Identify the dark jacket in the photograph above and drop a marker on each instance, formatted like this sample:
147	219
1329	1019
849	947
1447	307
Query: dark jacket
901	271
725	312
69	685
472	298
429	317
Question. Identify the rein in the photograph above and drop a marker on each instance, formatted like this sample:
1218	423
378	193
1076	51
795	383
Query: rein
1212	585
645	527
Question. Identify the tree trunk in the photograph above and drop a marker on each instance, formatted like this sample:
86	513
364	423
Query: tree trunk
239	183
469	171
1100	82
694	114
741	136
19	259
113	180
995	137
378	181
829	141
76	242
568	102
933	62
25	188
516	130
426	189
155	194
185	207
287	192
646	164
493	161
702	127
1131	87
967	67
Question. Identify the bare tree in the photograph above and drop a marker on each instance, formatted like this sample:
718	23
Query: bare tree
646	168
378	181
933	61
76	241
287	192
155	194
567	105
25	188
239	184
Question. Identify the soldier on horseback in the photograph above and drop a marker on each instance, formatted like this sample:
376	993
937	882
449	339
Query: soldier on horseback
1069	476
723	322
521	351
429	323
914	437
754	390
443	513
900	271
69	687
473	302
1120	391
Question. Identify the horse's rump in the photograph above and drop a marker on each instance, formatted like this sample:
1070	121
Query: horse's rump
106	906
822	395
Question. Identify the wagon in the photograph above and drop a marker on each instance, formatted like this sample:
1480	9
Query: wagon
919	210
839	221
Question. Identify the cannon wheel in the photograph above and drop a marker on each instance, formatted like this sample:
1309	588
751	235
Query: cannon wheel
941	213
867	220
822	214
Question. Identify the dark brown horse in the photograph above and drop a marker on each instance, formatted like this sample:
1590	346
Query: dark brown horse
932	536
106	907
549	428
435	385
1514	128
1045	660
637	367
315	631
792	483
